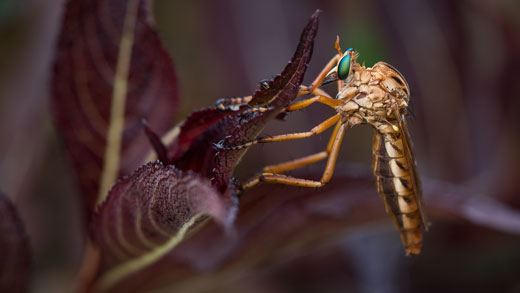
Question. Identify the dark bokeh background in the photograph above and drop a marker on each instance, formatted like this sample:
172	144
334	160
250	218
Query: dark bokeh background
461	59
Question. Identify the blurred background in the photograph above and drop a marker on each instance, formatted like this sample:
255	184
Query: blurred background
460	58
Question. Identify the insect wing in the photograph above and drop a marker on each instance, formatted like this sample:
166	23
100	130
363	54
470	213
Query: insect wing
410	160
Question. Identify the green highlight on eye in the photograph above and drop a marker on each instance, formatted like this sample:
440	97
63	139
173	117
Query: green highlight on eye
344	65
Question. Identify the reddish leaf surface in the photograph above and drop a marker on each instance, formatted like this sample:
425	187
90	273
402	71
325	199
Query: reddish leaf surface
15	254
156	142
149	208
277	224
154	202
202	158
83	85
194	126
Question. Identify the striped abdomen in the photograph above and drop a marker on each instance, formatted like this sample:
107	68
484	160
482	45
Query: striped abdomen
395	177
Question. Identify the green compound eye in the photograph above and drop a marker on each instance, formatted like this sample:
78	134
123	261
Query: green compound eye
344	65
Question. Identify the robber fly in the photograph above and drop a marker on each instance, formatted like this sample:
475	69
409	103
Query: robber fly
378	96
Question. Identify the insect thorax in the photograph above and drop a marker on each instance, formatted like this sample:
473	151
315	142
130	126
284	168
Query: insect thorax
370	95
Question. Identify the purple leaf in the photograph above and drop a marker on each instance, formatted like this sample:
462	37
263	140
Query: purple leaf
277	223
219	166
281	91
481	210
194	126
156	142
107	77
148	213
15	254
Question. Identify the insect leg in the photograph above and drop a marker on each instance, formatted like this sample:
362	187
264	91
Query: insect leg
319	79
298	163
294	164
283	137
235	103
256	110
321	96
333	103
327	173
232	103
304	90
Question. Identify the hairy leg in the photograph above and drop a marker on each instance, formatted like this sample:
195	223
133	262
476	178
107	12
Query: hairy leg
288	180
284	137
